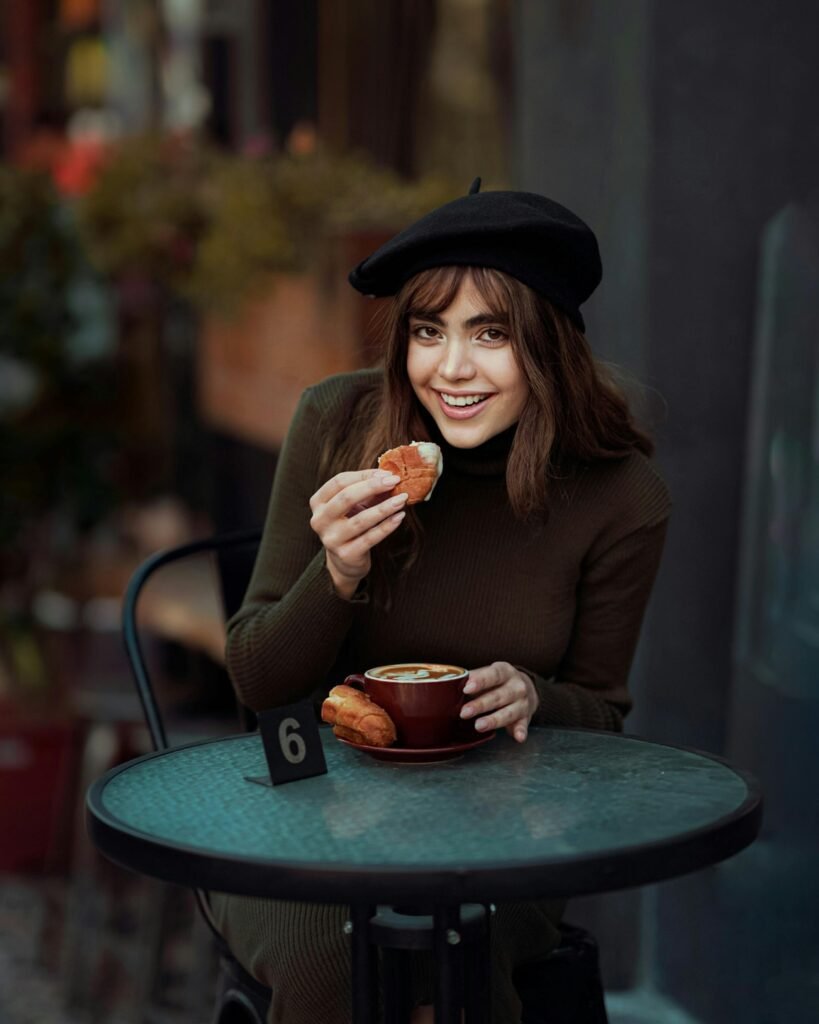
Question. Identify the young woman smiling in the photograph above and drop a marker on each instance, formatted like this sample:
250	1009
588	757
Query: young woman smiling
531	565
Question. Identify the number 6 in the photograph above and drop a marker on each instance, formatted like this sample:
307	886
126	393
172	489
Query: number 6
292	745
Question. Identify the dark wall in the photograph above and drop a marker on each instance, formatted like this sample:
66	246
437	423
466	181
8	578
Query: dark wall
735	137
678	131
581	136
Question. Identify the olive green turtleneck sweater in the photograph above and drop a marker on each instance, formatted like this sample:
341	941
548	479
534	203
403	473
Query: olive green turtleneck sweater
563	600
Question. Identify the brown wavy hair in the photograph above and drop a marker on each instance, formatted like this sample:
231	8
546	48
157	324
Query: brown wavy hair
576	411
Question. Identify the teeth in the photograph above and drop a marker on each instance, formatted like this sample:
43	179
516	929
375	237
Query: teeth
466	400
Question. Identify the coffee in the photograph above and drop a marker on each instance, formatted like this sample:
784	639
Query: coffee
417	673
424	700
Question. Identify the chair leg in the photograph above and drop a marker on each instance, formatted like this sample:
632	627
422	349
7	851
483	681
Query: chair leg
85	910
152	927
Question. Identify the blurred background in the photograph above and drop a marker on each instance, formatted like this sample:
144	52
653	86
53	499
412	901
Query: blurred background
184	185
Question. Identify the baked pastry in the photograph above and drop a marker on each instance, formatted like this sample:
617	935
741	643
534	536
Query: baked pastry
418	464
355	717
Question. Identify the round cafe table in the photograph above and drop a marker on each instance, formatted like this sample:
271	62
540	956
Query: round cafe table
569	812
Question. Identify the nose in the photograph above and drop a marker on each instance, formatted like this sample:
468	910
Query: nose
456	361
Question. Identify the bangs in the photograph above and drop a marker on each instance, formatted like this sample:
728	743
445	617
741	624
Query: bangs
433	291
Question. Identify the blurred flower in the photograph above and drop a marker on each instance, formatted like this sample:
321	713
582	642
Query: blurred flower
303	139
77	167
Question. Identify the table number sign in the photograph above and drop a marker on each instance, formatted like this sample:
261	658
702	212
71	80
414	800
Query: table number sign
292	744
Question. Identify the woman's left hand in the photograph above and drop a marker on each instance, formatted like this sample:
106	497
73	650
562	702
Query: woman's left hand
503	697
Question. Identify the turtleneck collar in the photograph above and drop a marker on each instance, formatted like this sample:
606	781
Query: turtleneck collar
488	459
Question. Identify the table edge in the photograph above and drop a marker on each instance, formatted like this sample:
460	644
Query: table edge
560	877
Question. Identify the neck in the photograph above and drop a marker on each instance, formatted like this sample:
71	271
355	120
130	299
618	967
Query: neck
487	459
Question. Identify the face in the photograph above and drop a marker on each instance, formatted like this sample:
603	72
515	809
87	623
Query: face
461	367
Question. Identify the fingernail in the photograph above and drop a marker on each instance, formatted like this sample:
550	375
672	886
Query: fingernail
481	725
466	711
389	478
469	687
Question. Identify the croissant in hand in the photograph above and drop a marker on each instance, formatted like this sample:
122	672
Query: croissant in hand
418	464
355	717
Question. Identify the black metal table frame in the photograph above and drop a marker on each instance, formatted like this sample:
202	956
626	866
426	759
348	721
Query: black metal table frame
459	938
444	892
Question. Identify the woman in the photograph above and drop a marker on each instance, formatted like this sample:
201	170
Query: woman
531	564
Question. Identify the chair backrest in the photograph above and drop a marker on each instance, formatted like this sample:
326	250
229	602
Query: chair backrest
235	554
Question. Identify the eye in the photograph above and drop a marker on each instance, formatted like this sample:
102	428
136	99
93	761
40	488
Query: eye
493	336
423	332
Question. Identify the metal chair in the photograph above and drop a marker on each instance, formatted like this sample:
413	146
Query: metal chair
240	999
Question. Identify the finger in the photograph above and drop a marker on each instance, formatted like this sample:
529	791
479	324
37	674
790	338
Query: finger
519	730
512	690
337	483
487	678
486	701
341	480
357	548
370	515
370	503
501	718
361	492
342	532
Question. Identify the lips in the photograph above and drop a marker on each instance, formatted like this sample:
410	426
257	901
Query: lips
462	412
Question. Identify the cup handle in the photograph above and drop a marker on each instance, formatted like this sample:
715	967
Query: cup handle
356	680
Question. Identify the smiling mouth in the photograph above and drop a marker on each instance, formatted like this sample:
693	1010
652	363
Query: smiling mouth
462	401
463	407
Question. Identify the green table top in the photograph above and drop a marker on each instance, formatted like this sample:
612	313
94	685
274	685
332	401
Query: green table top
569	811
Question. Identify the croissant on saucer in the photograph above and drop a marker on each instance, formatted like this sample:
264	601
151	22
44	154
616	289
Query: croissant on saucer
357	718
418	464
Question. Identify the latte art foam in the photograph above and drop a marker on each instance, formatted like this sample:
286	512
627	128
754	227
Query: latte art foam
418	673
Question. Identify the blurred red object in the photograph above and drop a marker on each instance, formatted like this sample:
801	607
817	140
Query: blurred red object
43	150
77	167
38	774
79	13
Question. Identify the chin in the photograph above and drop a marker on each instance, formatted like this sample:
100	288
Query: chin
466	435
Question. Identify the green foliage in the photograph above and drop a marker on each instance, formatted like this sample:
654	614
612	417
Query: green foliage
245	240
38	257
213	226
147	210
57	438
321	193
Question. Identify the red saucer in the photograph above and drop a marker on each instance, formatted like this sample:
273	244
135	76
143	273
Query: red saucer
419	755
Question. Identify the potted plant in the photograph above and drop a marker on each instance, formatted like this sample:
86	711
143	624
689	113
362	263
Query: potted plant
256	245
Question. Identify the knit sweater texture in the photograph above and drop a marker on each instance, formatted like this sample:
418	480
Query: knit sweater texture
563	600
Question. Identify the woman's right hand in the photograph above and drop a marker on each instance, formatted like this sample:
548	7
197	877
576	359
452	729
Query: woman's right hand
351	516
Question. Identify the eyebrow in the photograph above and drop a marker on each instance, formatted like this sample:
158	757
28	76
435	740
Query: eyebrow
473	321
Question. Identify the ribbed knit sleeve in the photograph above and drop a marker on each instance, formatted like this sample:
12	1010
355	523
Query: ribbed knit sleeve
288	632
590	686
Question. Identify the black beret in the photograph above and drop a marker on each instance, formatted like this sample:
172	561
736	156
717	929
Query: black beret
523	234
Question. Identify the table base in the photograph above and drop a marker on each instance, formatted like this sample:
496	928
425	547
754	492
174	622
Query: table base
459	940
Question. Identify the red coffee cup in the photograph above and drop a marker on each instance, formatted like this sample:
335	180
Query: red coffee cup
424	700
